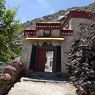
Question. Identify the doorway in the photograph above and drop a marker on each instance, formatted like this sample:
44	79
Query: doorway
46	58
49	61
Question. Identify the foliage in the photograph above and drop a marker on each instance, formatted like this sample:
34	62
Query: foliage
9	31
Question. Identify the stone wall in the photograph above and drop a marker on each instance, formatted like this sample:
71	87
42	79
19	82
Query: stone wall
74	24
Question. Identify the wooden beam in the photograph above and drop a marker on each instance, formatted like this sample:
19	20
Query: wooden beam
46	39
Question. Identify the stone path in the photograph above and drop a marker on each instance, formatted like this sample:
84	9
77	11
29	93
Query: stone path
41	87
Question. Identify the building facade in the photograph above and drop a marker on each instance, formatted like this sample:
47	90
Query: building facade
46	47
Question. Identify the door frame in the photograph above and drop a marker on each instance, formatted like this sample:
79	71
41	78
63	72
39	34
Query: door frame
52	48
49	48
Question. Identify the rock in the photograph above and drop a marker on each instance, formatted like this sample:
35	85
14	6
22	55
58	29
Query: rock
12	73
10	70
6	76
81	65
18	65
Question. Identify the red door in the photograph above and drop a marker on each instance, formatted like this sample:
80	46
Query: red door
41	56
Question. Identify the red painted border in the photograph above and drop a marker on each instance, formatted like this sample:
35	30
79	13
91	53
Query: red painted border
29	33
66	32
77	14
48	26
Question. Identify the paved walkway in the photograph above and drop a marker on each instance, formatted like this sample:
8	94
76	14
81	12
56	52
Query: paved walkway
42	87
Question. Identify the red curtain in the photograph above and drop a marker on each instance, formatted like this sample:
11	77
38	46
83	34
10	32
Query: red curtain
41	56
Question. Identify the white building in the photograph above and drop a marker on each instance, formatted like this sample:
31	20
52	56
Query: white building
55	37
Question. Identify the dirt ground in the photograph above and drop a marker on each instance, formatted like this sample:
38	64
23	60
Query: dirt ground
38	87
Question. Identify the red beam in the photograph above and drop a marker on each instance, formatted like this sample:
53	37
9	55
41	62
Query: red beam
29	33
66	32
48	26
77	14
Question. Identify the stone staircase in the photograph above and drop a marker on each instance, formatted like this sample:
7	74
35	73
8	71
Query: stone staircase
40	83
29	86
49	76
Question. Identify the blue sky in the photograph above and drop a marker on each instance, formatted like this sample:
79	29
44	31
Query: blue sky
31	9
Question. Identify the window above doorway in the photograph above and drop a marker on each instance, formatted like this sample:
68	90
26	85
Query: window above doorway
47	33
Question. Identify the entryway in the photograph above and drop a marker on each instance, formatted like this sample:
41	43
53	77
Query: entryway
46	58
49	61
45	61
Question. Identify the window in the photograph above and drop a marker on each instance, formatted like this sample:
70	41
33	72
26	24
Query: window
47	33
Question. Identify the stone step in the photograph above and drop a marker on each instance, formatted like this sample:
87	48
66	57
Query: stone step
48	75
25	79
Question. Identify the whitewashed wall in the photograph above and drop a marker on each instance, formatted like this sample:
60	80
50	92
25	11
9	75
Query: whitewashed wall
75	22
55	33
26	52
68	40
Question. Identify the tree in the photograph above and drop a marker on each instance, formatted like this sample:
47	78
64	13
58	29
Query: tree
9	31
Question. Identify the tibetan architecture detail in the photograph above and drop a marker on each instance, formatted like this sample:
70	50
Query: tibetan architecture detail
45	48
87	26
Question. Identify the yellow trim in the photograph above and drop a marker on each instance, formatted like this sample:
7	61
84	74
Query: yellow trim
44	39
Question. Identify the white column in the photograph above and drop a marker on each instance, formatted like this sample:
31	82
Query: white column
26	53
63	67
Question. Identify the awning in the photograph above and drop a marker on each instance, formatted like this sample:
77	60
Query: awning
46	39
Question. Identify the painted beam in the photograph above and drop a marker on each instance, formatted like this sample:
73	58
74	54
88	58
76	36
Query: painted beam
45	39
